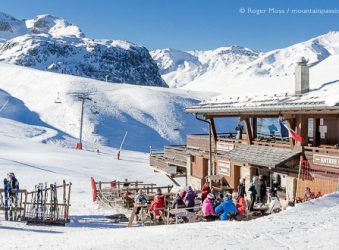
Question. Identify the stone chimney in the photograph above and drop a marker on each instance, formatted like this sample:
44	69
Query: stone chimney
302	77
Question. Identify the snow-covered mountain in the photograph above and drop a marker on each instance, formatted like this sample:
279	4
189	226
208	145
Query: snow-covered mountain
222	69
179	68
51	43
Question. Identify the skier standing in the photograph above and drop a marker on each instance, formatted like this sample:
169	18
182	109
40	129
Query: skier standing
13	189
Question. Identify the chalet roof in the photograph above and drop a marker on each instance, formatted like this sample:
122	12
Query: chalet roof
322	99
260	155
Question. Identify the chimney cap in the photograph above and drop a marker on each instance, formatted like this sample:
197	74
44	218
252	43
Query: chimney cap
302	61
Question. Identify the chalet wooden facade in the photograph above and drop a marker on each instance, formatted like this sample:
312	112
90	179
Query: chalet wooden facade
225	158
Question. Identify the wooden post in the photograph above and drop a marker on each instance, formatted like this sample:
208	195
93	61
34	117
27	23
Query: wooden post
68	199
302	129
25	204
254	127
248	131
64	197
291	124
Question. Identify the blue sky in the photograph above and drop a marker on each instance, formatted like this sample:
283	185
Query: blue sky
187	24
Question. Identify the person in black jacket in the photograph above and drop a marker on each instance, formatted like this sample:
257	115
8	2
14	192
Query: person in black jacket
241	188
262	189
253	194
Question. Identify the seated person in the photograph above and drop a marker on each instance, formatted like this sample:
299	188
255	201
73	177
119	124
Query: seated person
240	205
218	200
126	184
207	208
178	201
308	194
128	200
189	198
227	209
141	198
274	205
157	204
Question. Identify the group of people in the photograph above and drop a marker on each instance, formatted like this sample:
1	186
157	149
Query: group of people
220	206
232	207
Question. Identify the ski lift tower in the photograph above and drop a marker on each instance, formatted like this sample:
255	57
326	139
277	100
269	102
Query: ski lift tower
83	97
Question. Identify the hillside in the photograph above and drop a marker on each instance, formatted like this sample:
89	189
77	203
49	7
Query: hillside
51	43
152	116
234	70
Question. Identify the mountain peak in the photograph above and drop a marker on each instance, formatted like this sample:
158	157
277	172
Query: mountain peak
55	26
10	26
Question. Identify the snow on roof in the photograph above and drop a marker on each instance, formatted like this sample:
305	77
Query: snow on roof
324	97
252	154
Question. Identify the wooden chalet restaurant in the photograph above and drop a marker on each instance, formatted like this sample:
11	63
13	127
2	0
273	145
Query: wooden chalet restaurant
224	158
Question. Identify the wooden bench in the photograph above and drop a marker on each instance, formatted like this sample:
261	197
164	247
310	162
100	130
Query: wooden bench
145	215
179	213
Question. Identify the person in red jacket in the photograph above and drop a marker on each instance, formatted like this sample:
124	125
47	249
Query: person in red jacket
157	204
205	190
241	206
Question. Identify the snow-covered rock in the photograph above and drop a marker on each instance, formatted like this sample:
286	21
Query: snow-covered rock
11	27
51	43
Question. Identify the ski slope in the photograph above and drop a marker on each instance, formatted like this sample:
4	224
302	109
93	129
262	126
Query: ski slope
312	225
153	116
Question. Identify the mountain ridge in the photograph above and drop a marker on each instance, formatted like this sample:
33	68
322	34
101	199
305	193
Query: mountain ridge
51	43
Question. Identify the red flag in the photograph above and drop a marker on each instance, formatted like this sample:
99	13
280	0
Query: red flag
294	135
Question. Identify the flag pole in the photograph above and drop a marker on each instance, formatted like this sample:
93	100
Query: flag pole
123	140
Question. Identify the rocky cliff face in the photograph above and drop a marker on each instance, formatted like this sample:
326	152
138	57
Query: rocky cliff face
51	43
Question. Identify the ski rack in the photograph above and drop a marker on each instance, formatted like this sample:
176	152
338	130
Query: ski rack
20	205
42	207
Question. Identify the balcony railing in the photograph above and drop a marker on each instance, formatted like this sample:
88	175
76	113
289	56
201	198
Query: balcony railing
173	160
201	141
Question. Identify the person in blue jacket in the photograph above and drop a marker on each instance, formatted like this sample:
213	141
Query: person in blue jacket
226	208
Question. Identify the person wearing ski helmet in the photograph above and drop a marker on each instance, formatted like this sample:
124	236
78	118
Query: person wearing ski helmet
227	209
207	208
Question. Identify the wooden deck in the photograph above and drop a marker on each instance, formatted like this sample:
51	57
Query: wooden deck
172	161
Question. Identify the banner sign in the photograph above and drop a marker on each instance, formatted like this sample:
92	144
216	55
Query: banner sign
224	168
326	160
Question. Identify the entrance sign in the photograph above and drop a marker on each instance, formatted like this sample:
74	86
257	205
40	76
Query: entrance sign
224	168
224	146
326	160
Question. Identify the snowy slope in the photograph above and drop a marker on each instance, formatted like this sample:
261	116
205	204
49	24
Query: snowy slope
11	27
238	70
312	225
180	68
152	116
53	44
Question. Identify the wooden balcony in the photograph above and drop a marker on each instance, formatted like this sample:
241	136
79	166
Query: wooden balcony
172	161
201	141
